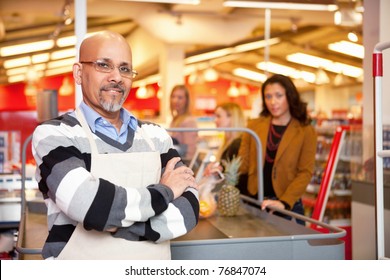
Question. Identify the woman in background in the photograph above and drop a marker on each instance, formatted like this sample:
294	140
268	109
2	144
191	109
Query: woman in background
289	146
229	115
180	110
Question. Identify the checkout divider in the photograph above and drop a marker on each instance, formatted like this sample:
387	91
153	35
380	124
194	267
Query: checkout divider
252	234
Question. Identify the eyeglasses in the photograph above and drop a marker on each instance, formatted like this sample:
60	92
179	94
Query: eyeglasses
108	67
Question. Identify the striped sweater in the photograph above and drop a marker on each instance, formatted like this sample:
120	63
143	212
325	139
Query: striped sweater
60	147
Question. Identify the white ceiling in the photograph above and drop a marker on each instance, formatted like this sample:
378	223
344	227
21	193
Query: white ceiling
198	28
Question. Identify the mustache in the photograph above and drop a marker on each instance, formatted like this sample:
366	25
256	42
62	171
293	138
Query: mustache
113	86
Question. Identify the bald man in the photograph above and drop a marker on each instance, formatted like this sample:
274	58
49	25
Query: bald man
114	185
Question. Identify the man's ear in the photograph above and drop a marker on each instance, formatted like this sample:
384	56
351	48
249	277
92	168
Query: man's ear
77	70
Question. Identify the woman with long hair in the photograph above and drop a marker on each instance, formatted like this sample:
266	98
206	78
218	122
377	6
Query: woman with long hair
182	118
288	146
229	115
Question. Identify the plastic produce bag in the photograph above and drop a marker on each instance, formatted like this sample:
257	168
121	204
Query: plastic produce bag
207	200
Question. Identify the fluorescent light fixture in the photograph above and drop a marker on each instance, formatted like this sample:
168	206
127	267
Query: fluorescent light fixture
184	2
208	55
27	48
326	64
39	67
39	58
17	62
309	60
277	68
249	74
71	52
70	40
347	70
348	48
57	71
308	76
255	45
66	41
16	78
17	71
279	5
61	63
287	71
231	50
23	70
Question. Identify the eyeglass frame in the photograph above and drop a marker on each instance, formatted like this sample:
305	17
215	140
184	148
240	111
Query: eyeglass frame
132	74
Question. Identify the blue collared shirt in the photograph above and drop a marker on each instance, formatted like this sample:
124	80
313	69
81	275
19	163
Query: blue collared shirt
98	123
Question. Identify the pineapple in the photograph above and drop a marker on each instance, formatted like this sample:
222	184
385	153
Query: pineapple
229	195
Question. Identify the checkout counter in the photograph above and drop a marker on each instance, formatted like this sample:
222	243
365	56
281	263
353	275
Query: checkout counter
251	234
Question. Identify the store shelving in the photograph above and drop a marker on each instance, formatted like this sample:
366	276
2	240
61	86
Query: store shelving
328	196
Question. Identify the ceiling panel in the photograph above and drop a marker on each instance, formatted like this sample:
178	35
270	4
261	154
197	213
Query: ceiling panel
300	31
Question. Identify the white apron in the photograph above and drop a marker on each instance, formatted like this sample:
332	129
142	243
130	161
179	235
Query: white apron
127	169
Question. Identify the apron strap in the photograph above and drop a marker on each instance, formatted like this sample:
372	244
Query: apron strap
87	129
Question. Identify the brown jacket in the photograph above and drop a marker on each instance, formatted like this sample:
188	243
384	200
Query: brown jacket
294	161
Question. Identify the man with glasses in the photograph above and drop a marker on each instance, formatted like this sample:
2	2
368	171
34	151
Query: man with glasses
114	185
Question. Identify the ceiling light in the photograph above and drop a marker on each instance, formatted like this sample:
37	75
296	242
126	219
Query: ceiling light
26	48
210	75
321	77
256	45
287	71
144	92
23	70
353	37
16	78
233	90
66	88
66	41
32	75
141	92
17	62
308	76
184	2
340	79
57	71
71	52
69	40
30	90
308	60
348	48
347	70
39	67
277	68
17	71
61	63
347	17
208	55
326	64
244	90
40	58
279	5
249	74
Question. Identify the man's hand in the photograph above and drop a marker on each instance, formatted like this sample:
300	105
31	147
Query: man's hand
178	179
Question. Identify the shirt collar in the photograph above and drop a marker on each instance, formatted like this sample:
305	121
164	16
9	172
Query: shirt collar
91	116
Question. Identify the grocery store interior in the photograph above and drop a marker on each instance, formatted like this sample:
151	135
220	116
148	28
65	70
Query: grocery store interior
222	51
